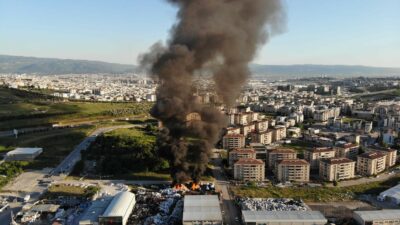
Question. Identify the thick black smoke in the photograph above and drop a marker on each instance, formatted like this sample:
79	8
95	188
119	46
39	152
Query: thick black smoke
221	33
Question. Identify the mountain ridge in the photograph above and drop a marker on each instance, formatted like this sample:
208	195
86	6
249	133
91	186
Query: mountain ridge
46	66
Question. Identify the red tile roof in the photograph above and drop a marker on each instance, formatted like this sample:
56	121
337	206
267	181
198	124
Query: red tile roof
248	161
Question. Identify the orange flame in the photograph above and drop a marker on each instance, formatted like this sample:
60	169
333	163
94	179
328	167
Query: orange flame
195	186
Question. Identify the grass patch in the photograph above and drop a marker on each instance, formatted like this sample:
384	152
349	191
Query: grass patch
57	190
316	194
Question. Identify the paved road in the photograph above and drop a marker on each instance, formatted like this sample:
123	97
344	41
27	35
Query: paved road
228	205
69	162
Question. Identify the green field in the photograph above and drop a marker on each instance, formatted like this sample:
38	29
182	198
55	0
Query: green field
316	194
56	144
20	109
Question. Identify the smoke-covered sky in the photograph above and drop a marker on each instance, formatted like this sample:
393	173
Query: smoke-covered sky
363	32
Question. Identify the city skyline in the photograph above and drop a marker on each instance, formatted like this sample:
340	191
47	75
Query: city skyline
341	32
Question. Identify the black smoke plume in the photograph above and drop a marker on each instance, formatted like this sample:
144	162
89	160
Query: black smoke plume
219	34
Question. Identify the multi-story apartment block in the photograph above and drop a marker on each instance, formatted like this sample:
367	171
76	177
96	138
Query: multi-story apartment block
241	153
231	141
335	169
264	137
246	129
248	169
278	133
297	170
261	125
314	155
348	150
371	163
391	156
280	154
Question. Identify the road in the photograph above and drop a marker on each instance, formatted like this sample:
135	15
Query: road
66	166
228	205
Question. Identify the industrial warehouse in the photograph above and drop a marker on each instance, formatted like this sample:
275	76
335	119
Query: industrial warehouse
283	218
23	154
201	210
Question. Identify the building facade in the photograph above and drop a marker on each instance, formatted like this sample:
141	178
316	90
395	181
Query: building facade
371	163
335	169
297	170
314	155
232	141
249	170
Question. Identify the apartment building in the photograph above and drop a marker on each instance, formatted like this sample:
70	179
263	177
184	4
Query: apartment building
391	156
314	155
248	169
335	169
348	150
278	133
232	141
371	163
241	153
263	137
261	125
297	170
246	129
280	154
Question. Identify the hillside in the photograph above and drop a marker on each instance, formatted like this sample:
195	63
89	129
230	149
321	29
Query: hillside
20	64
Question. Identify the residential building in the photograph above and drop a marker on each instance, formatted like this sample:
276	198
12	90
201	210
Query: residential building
335	169
264	137
371	163
279	154
297	170
347	150
314	155
232	141
249	170
278	133
240	153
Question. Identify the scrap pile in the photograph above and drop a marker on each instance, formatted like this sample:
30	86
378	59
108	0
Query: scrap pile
272	204
162	207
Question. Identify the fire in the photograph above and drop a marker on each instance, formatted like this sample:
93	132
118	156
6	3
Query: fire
195	186
180	187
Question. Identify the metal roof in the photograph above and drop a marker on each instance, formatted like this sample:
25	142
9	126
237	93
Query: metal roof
283	216
95	210
393	192
201	208
18	151
385	214
120	204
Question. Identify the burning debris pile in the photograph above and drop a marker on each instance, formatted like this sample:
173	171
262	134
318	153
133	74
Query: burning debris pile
216	38
272	204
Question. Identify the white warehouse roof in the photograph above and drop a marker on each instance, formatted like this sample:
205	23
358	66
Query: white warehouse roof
201	208
283	216
393	192
120	205
25	151
386	214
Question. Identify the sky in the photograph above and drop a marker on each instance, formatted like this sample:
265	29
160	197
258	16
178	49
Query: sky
348	32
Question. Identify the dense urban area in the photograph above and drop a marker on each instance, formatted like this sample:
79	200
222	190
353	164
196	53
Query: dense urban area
82	149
